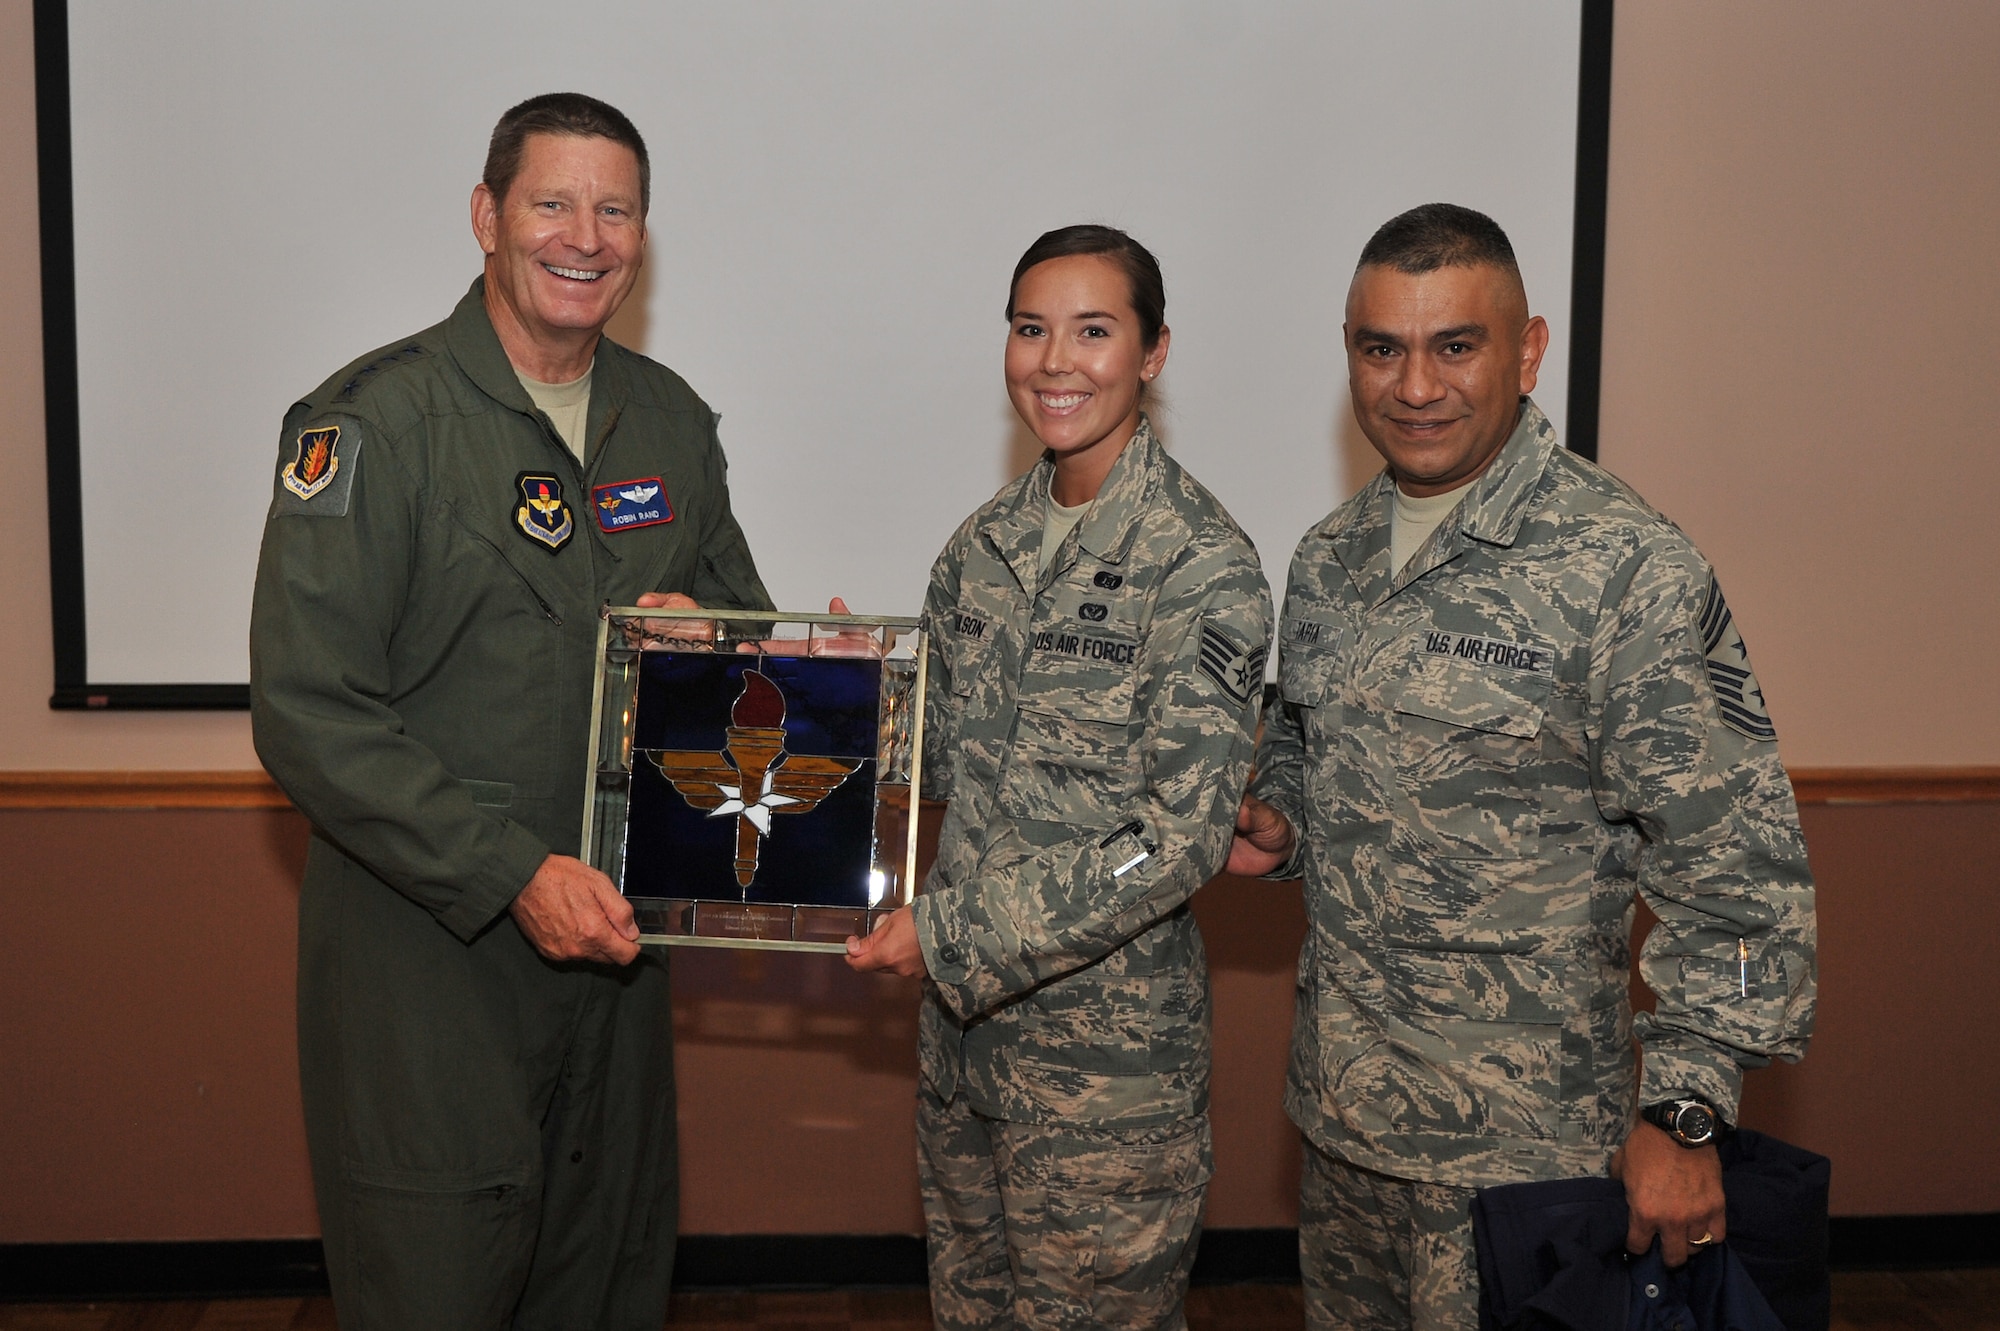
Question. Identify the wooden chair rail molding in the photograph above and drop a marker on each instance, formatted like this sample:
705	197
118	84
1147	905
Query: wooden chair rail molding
255	790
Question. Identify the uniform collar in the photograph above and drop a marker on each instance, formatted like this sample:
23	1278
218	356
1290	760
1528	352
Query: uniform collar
1494	507
476	347
1107	531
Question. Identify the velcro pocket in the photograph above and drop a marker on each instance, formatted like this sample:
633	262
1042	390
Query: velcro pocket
1497	702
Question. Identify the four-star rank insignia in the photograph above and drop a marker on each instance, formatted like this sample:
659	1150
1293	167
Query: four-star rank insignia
753	777
543	516
317	463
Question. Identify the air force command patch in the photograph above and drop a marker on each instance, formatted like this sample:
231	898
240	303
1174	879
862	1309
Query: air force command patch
543	516
316	470
623	505
1737	692
1240	673
316	464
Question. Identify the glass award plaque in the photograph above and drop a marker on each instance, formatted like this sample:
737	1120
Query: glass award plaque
752	773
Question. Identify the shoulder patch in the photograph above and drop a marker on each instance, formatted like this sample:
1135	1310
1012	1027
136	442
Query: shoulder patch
1239	672
1737	692
316	474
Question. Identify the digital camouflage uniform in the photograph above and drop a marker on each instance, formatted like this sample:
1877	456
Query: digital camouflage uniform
492	1136
1078	716
1484	755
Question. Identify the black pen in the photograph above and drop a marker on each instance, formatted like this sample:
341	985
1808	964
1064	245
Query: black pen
1134	828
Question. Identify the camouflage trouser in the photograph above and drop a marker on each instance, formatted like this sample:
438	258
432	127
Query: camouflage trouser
1384	1254
1043	1225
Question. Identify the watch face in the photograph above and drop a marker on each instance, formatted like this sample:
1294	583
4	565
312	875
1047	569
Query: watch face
1694	1123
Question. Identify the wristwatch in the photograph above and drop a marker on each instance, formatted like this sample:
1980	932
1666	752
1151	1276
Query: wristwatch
1691	1121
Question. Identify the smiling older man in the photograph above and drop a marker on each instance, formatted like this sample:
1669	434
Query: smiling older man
486	1055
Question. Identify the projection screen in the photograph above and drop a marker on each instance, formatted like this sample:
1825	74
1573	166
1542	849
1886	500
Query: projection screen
239	198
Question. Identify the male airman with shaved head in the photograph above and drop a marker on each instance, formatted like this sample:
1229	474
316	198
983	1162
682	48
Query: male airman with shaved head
1511	699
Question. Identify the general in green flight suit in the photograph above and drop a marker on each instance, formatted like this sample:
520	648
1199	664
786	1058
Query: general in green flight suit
485	1053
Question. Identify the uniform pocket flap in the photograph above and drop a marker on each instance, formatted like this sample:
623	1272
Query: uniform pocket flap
1496	700
1098	706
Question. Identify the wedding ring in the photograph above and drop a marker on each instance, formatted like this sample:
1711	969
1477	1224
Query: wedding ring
1707	1237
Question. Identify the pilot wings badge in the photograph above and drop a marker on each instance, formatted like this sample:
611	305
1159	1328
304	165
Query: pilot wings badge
752	778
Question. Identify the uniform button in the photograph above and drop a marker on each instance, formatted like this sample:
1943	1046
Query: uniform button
948	954
1652	1291
576	1157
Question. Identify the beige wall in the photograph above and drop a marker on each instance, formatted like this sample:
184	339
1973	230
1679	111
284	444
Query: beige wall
1798	335
1800	347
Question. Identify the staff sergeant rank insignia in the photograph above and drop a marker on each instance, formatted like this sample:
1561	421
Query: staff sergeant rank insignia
543	517
1237	671
317	463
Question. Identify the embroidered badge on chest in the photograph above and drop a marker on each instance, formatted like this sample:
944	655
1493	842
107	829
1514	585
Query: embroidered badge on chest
623	505
317	463
543	516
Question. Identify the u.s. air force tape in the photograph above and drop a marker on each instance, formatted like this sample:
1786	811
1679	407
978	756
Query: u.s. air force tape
1240	672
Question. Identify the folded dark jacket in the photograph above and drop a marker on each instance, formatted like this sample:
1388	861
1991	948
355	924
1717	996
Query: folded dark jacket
1552	1255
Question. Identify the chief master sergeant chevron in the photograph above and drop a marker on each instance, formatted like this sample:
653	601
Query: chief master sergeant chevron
485	1055
1511	696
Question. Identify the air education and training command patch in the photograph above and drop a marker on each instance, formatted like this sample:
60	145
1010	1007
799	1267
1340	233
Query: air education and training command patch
317	462
543	516
623	505
1737	692
1240	673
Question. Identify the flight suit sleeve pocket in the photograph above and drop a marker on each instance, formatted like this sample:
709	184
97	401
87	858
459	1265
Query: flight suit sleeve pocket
491	794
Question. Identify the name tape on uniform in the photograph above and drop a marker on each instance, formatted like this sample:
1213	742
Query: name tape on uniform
623	505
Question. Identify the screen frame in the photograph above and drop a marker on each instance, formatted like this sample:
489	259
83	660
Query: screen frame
73	689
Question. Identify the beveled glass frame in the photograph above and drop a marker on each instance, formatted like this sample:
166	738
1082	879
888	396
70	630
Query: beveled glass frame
710	641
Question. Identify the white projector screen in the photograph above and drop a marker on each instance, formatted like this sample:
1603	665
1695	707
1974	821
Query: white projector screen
263	192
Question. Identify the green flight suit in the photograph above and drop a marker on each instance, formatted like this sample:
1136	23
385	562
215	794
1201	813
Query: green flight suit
492	1136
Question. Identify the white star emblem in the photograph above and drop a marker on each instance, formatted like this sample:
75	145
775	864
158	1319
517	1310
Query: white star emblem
758	812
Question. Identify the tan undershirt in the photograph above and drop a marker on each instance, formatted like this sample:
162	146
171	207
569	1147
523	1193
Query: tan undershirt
1412	521
1060	522
566	405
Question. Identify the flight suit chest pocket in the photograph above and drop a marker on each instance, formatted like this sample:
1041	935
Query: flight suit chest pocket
1072	759
1463	737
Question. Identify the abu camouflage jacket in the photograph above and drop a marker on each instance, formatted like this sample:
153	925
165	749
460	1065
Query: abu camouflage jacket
1485	754
1091	724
